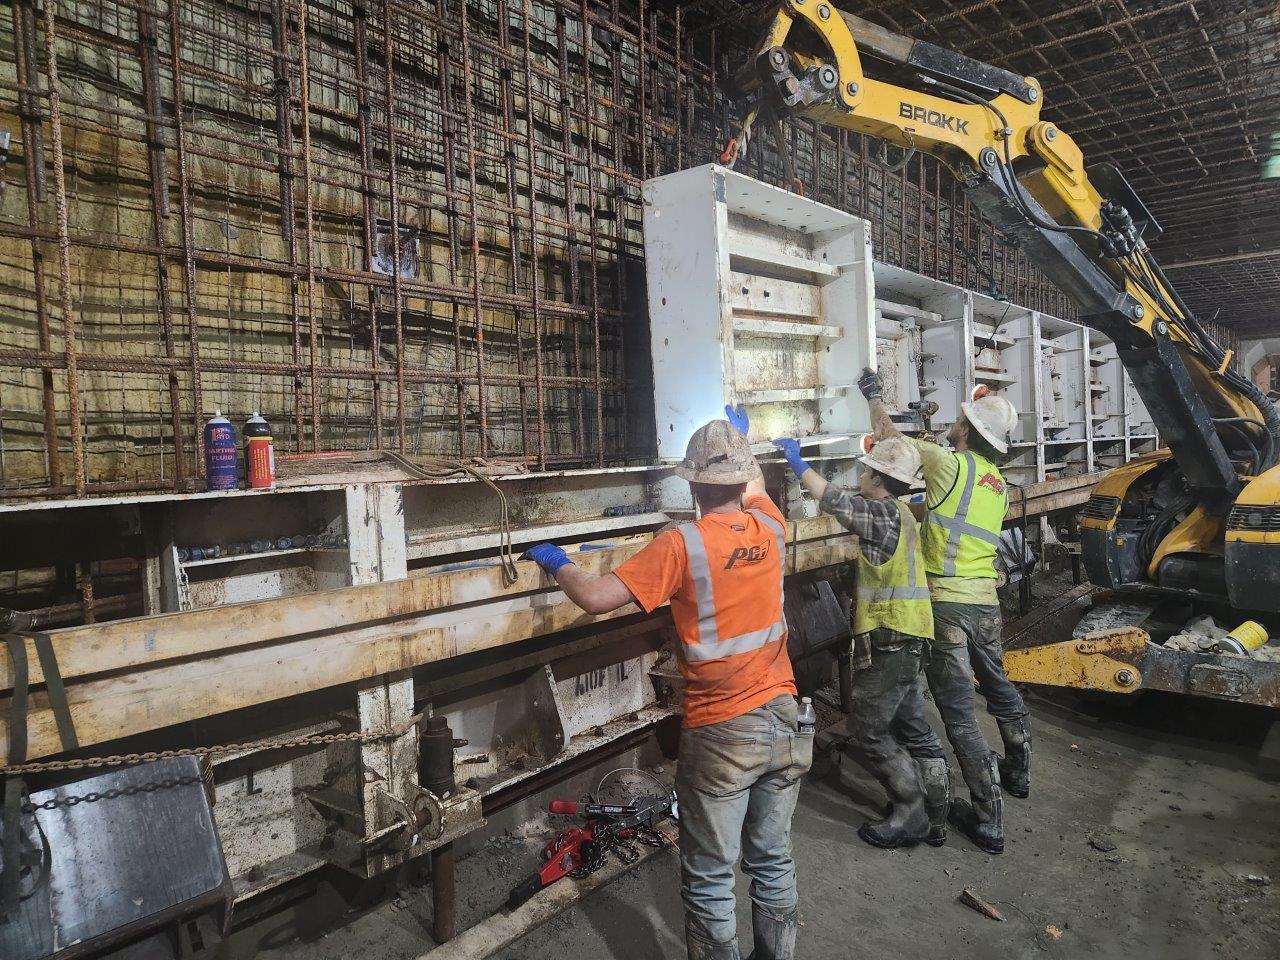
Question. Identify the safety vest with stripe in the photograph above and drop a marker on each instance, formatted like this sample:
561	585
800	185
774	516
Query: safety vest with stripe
709	644
894	594
962	532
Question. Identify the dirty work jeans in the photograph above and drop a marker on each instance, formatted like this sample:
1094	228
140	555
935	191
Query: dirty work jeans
881	691
978	627
951	682
737	783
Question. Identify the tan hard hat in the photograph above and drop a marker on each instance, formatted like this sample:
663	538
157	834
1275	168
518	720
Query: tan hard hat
718	453
894	457
992	416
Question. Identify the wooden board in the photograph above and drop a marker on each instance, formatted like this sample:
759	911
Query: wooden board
227	678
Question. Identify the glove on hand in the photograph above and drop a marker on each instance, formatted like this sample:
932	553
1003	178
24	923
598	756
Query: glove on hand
870	385
737	416
548	556
791	450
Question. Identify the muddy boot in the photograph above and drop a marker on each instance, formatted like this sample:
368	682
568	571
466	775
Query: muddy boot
982	821
1015	767
775	934
936	780
702	948
908	822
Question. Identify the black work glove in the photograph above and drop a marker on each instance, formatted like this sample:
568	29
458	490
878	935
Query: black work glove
870	385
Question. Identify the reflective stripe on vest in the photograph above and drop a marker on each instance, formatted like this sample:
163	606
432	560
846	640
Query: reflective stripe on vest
952	527
709	645
894	594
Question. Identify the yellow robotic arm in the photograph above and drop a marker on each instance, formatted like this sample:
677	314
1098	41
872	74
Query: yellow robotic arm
1084	227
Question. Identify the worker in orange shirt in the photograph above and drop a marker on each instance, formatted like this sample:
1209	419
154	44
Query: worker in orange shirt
742	753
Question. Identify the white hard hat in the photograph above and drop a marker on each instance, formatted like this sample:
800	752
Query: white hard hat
894	457
992	416
718	453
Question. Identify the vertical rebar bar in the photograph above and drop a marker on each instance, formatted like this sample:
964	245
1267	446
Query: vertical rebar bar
188	229
535	274
71	351
33	171
148	51
369	232
393	198
309	213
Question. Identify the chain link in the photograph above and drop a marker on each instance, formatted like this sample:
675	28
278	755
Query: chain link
132	759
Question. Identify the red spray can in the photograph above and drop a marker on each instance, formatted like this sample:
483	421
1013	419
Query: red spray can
259	456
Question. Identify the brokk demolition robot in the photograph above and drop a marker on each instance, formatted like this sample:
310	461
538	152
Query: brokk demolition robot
1192	528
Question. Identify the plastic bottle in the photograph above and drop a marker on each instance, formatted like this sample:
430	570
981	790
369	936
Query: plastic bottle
259	454
220	471
807	718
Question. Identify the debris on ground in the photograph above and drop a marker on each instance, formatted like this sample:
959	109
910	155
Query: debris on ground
1053	931
1075	748
971	899
1101	843
1258	880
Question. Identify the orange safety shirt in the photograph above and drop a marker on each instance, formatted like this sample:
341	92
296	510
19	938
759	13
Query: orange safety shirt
723	575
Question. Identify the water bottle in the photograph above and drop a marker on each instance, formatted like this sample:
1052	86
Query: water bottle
807	718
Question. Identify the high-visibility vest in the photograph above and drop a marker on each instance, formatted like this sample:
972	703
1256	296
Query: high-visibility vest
895	594
962	532
702	641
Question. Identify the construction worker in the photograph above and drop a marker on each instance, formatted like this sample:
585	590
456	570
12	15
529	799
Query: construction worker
966	500
892	625
742	754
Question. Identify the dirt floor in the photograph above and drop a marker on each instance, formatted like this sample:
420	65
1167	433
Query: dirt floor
1149	832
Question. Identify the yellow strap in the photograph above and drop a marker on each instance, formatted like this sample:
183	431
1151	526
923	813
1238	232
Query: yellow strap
1226	361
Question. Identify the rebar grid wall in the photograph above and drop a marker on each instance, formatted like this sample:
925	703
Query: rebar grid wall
387	225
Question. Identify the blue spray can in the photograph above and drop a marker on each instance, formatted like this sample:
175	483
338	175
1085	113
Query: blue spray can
220	449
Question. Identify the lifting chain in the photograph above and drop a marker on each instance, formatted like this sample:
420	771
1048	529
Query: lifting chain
250	746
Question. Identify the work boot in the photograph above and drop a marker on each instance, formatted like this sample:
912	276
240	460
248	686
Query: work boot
775	934
1015	766
981	820
936	780
908	822
702	948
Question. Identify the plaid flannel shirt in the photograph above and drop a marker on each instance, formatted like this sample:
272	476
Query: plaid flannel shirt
877	524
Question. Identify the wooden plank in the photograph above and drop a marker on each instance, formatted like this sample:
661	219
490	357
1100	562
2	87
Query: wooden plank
120	644
1049	495
169	693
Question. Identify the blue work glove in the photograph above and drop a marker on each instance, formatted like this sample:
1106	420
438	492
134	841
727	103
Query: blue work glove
548	556
791	450
737	416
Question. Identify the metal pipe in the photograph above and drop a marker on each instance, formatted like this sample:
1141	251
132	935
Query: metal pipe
443	894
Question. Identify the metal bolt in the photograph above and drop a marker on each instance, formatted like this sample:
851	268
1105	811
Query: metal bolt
824	11
1051	133
1033	94
1162	327
852	88
1137	311
778	57
1125	678
988	157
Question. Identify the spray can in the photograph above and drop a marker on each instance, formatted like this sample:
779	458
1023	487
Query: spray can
220	454
259	455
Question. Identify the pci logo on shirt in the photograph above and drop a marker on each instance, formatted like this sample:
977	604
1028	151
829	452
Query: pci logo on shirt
748	555
993	483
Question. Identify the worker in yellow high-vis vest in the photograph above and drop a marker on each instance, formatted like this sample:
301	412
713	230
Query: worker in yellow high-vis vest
966	500
892	629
